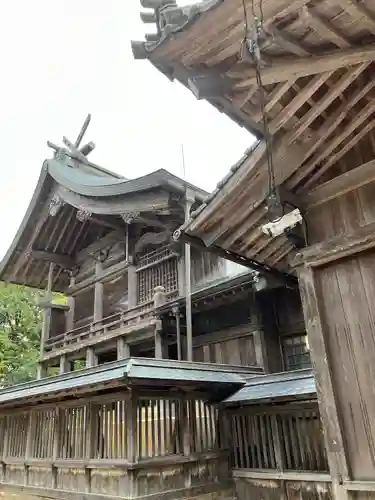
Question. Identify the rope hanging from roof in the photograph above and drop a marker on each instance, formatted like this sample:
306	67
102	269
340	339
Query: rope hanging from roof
251	46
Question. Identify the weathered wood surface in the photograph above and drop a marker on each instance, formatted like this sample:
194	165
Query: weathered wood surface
124	446
235	346
274	489
348	314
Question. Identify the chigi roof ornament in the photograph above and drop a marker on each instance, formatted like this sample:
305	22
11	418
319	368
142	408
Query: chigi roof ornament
73	149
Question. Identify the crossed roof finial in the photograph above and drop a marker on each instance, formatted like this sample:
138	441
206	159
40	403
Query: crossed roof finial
74	149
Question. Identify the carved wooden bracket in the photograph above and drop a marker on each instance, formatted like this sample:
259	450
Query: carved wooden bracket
83	215
129	217
101	255
55	205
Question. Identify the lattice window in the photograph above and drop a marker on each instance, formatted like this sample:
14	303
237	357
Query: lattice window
296	352
286	441
73	421
112	424
158	268
203	426
44	422
158	431
17	435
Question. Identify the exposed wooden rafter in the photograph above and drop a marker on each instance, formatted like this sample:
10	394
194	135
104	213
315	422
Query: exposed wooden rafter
62	260
326	130
359	176
323	28
297	67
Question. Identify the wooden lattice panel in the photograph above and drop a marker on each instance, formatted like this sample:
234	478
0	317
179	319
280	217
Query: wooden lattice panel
157	268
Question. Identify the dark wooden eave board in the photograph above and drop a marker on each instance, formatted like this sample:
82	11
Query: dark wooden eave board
62	260
267	388
139	371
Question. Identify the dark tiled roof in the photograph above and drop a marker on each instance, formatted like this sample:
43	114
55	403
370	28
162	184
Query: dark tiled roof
140	371
267	388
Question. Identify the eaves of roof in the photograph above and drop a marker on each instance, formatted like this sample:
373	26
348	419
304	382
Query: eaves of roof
276	387
129	372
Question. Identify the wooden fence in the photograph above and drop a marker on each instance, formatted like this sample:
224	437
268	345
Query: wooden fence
279	452
101	445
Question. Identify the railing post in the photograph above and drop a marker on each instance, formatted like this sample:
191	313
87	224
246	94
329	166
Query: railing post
132	286
64	364
159	299
176	312
71	312
123	349
91	358
98	293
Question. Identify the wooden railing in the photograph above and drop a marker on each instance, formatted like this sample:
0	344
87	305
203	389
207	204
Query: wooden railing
96	329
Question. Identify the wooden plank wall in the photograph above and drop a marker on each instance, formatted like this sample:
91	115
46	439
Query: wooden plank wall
343	214
347	310
233	346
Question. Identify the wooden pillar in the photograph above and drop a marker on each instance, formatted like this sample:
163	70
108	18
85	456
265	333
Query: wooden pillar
181	274
91	358
259	345
47	313
176	312
123	349
98	293
159	299
64	364
337	286
70	314
132	286
189	325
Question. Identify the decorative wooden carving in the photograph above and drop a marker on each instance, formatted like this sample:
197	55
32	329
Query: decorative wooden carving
73	149
129	217
55	205
83	215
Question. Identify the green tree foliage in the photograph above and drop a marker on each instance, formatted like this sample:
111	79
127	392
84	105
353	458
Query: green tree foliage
20	329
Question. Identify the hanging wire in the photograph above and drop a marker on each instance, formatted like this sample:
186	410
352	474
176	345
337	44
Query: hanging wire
252	47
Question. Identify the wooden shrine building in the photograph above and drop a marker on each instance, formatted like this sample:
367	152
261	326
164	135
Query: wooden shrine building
300	76
160	375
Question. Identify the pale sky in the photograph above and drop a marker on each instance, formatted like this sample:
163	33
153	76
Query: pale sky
62	59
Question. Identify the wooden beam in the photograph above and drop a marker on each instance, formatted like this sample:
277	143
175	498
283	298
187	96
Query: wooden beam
329	97
359	12
331	145
296	67
326	131
336	248
37	228
349	181
323	28
334	158
290	109
242	98
277	93
62	260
